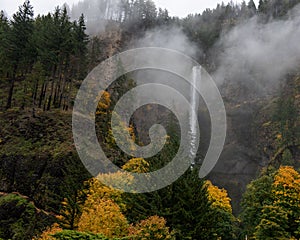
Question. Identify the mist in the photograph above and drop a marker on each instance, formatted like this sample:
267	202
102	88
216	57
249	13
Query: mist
253	57
259	55
170	38
97	13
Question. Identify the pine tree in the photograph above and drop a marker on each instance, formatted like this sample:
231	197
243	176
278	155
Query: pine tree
149	14
257	195
251	8
21	50
263	6
80	39
4	30
273	224
163	17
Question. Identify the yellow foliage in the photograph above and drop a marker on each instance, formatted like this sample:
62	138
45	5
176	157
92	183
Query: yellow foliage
105	217
122	132
287	177
267	124
113	181
46	235
98	191
279	136
105	186
104	103
218	197
286	186
151	228
136	165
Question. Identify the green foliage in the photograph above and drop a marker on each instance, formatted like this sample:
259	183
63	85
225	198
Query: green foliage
74	192
186	208
68	235
271	205
104	113
262	6
184	204
273	224
287	158
19	218
4	29
192	206
20	47
37	159
48	52
286	116
257	195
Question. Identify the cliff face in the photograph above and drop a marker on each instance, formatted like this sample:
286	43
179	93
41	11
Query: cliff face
240	161
253	129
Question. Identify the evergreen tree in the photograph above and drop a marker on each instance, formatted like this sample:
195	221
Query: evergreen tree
251	8
263	6
257	195
163	17
149	14
20	49
273	224
80	49
4	30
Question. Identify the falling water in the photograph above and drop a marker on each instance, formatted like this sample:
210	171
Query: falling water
193	113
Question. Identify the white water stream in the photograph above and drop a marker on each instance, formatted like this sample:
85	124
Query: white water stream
193	113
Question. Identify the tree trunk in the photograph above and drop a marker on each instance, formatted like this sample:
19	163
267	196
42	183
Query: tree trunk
12	86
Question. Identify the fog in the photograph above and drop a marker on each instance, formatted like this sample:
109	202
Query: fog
259	55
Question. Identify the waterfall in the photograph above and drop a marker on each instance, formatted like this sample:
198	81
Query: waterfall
193	113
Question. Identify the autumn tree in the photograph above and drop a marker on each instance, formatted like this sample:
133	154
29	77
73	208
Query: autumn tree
154	227
47	234
222	211
137	165
104	216
102	211
273	211
218	197
286	190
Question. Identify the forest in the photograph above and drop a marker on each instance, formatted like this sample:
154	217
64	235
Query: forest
253	54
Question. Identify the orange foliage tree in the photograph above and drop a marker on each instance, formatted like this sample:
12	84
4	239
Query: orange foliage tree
102	211
151	228
105	217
